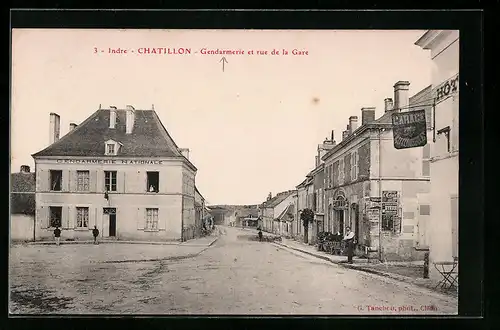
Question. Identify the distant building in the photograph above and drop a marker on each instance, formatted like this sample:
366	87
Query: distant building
119	170
22	205
272	212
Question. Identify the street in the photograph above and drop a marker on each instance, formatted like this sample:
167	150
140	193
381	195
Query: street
235	275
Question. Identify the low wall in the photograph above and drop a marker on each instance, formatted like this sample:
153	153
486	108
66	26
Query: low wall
21	227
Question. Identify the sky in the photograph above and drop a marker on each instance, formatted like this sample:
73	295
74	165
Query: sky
252	128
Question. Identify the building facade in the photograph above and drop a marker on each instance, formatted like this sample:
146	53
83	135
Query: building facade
120	171
274	209
373	188
442	229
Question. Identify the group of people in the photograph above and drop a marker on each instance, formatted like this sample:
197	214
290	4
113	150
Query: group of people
348	239
57	235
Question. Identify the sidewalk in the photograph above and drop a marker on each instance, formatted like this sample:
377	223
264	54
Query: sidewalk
408	272
202	241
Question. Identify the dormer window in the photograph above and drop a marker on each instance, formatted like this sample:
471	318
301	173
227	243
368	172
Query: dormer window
111	147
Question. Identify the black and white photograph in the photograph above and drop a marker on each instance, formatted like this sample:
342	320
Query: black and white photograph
234	172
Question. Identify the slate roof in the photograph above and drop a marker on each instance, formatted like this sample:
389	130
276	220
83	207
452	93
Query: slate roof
149	138
279	198
22	197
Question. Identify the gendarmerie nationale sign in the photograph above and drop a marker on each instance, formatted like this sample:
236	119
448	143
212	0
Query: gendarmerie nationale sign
110	161
409	129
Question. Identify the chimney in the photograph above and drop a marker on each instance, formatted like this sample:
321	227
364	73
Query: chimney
130	119
388	104
55	127
344	134
25	169
353	124
184	152
367	115
112	117
401	97
72	126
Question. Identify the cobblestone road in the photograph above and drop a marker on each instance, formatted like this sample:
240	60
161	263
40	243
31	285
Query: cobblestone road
234	276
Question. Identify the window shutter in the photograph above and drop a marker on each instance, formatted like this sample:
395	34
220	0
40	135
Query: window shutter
65	216
73	180
141	219
65	180
43	216
93	186
92	212
162	220
43	180
120	181
70	218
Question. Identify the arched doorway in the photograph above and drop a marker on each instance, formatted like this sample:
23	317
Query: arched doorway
340	208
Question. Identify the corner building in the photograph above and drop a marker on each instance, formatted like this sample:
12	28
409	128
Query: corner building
119	170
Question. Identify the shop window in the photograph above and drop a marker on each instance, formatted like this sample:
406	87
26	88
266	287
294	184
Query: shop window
110	180
82	217
55	180
55	216
83	178
151	219
153	181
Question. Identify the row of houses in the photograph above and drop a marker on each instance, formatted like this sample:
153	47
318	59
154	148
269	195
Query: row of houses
119	170
235	215
400	202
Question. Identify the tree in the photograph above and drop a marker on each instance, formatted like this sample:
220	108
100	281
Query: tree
307	216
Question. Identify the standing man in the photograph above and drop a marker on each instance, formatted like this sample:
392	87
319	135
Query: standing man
349	239
95	232
57	235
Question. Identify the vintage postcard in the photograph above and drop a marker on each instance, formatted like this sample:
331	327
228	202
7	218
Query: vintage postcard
234	172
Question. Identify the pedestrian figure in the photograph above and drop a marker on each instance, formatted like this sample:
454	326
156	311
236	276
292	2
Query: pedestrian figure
260	235
95	232
349	239
57	235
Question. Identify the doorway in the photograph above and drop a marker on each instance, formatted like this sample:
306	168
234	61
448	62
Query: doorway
112	225
109	221
340	221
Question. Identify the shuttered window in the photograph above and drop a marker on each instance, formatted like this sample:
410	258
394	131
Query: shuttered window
83	180
82	217
151	219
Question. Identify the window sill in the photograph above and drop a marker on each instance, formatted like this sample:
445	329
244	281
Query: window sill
152	192
81	228
153	230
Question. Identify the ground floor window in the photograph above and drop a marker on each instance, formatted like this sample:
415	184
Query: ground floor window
151	219
82	217
55	216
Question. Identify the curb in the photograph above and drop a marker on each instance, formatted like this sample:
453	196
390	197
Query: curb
397	277
102	242
194	244
350	266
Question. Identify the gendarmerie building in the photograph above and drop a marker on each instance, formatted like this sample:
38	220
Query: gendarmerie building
119	170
